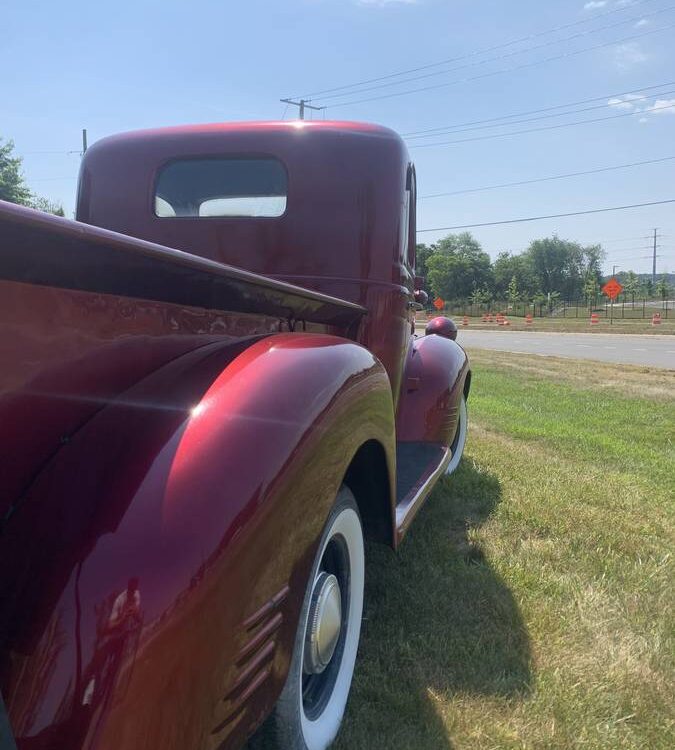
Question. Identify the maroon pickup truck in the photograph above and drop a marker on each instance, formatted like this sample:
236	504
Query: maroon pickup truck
211	392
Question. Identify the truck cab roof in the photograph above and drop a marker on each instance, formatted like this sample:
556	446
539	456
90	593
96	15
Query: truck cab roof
301	199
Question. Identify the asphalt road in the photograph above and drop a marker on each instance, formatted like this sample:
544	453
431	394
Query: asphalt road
623	348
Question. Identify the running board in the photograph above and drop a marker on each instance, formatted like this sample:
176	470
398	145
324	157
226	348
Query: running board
418	466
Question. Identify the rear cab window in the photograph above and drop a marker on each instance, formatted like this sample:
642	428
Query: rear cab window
221	187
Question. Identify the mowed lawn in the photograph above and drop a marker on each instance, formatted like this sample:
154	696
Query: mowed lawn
531	605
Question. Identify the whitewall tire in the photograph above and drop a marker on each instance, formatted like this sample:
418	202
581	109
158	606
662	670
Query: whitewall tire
310	709
459	440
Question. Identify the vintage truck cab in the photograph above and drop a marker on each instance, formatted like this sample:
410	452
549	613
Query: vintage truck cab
212	391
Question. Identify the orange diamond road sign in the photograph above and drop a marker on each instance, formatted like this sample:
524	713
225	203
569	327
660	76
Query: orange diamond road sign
439	304
612	288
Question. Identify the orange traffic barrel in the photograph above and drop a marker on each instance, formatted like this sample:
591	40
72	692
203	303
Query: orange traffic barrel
528	319
656	319
465	320
594	319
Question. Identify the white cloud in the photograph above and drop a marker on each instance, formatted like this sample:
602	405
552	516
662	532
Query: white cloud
629	54
626	102
662	107
641	22
595	4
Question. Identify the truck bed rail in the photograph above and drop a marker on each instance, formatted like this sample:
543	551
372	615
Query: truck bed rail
38	248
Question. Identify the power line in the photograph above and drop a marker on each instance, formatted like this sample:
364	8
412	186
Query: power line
51	179
633	257
629	250
522	66
544	109
612	253
475	52
27	153
547	179
456	129
536	130
548	216
622	239
497	58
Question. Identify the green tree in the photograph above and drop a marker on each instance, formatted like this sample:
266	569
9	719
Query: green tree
593	256
562	266
591	290
480	296
12	185
512	293
457	266
505	267
631	284
44	204
422	254
662	288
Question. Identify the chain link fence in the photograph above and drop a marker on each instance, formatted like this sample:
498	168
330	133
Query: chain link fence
623	308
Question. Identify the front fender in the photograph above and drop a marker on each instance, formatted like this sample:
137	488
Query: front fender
435	374
194	505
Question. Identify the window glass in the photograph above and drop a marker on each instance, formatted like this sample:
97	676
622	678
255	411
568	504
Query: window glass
405	225
411	190
221	187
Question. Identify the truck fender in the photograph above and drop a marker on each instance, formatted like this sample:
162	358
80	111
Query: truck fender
194	506
436	376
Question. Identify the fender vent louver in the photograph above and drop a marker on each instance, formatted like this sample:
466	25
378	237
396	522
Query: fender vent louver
449	418
254	659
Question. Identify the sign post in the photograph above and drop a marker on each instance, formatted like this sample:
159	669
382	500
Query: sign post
612	289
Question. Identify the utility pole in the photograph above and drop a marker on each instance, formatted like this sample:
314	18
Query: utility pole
654	260
84	141
302	105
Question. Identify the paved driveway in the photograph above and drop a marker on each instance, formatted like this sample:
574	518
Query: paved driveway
652	350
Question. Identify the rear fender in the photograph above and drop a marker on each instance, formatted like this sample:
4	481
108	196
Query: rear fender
436	372
194	505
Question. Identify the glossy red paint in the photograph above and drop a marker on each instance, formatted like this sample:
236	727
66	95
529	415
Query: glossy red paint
348	176
435	374
177	429
220	470
442	327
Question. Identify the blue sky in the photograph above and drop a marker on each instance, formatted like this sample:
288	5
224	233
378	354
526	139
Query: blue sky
127	65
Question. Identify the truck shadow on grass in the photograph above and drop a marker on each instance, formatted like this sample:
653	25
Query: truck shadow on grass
439	623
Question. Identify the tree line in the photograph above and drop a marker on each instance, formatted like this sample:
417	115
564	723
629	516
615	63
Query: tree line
13	186
457	269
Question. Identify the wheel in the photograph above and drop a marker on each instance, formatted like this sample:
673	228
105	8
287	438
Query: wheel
310	709
459	440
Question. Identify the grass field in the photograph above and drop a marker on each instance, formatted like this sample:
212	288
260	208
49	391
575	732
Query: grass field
575	325
531	605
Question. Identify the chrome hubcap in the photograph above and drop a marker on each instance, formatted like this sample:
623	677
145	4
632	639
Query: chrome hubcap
324	623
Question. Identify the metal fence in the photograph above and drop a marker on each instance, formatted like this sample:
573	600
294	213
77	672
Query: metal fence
623	308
